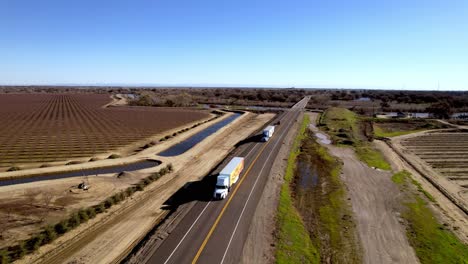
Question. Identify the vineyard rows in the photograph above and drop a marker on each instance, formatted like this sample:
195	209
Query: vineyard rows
47	128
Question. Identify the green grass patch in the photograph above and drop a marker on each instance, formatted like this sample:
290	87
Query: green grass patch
380	132
398	127
431	241
348	129
294	244
399	177
372	157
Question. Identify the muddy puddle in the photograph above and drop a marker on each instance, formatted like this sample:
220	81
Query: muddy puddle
86	172
308	174
195	139
322	138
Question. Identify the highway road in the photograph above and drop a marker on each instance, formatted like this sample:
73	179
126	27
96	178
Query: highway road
215	231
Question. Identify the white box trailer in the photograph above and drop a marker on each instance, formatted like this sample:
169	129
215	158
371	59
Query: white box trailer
268	133
227	177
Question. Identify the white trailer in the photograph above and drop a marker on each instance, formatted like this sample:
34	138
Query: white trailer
268	133
227	177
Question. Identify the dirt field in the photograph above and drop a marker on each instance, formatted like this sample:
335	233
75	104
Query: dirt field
54	199
140	213
446	153
442	157
375	201
46	128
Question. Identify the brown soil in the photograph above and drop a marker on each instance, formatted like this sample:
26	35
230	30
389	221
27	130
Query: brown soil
46	128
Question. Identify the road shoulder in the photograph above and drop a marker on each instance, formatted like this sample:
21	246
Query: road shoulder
259	245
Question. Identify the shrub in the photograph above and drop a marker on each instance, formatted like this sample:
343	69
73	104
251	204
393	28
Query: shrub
163	171
99	208
174	134
83	215
129	191
114	156
91	212
169	167
4	257
61	227
108	203
49	235
162	139
14	168
34	242
167	137
154	176
74	220
139	187
118	197
18	251
146	181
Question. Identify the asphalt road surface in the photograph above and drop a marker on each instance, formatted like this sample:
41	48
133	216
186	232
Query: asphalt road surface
215	231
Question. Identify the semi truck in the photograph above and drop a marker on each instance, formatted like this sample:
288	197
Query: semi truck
267	133
227	177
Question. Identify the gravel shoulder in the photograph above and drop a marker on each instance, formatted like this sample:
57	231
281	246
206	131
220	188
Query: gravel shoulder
259	245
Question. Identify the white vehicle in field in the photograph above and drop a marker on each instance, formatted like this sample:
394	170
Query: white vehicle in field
227	177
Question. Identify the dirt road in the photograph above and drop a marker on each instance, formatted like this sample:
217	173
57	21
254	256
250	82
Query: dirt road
375	201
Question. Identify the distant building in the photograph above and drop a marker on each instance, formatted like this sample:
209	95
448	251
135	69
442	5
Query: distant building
418	115
463	116
363	99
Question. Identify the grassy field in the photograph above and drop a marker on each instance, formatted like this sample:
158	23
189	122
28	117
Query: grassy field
433	243
348	129
294	244
399	127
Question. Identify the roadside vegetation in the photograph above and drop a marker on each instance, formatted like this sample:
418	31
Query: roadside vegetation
294	245
346	128
52	232
432	241
314	222
319	197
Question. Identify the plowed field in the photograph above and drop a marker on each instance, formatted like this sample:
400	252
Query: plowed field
446	152
47	128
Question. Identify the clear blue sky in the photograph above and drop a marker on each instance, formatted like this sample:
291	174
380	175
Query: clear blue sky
412	44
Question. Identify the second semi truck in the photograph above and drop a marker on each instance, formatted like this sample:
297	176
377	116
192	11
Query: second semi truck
267	133
227	177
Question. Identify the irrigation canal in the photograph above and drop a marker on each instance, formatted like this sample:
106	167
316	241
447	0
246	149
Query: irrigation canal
83	173
187	144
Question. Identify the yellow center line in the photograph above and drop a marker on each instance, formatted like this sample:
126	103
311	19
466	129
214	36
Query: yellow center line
200	250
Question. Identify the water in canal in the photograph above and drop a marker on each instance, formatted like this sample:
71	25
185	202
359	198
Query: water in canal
85	172
195	139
